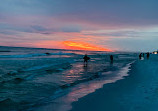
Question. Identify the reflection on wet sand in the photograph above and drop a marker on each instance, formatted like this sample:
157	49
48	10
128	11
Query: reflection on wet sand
81	90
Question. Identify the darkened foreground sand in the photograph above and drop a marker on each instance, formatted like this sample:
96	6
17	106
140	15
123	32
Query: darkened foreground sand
137	92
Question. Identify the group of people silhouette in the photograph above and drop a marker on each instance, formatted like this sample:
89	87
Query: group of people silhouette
142	55
86	58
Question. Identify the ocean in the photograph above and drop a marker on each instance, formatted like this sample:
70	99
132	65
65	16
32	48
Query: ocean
37	79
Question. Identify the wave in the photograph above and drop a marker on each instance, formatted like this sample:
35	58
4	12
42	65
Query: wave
57	66
34	55
8	102
15	75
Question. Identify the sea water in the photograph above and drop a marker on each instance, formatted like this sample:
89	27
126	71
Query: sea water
33	78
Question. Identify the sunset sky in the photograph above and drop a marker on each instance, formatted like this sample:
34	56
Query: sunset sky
123	25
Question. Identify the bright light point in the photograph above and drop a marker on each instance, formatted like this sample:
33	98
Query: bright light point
155	52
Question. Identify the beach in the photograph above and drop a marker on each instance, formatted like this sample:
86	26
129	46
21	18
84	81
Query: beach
78	55
136	92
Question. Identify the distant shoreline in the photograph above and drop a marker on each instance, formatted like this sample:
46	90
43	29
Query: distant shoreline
49	49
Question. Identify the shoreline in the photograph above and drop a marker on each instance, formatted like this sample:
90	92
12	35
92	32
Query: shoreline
137	92
83	89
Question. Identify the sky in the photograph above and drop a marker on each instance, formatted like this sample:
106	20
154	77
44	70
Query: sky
110	25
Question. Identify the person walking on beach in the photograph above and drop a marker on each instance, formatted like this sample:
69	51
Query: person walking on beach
86	58
148	54
140	55
111	58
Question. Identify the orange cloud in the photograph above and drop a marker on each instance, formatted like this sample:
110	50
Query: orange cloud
83	46
64	45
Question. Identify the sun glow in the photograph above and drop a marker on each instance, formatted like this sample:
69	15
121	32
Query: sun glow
83	46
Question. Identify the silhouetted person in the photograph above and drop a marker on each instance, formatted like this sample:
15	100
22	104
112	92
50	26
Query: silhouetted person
111	58
86	58
143	54
147	55
140	55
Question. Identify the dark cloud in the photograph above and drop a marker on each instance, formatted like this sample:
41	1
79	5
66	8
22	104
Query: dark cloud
105	12
39	28
125	34
8	32
71	29
5	26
